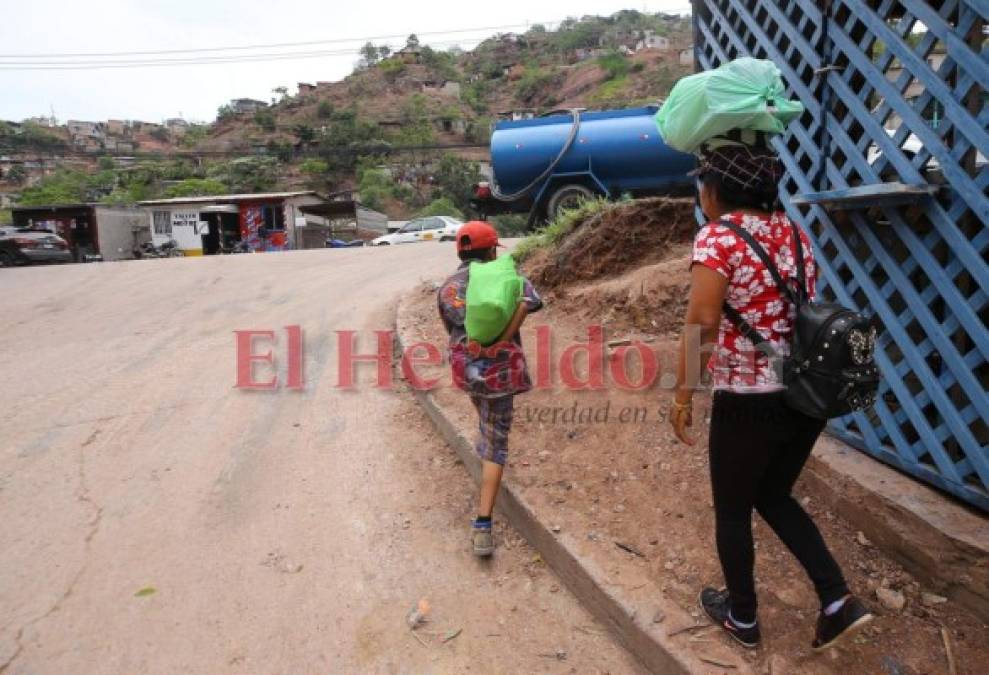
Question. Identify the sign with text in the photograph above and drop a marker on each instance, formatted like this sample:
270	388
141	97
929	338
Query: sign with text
185	219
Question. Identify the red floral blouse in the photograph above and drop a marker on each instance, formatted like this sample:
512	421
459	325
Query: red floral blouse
736	364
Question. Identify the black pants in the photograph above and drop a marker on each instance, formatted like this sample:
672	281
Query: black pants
758	447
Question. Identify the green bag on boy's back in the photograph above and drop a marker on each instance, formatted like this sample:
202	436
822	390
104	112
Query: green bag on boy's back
494	290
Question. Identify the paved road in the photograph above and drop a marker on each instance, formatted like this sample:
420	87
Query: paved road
156	519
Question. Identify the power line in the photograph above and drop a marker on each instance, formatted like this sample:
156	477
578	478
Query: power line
198	61
260	46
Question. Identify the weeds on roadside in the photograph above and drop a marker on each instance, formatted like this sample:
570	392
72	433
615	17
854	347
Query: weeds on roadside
554	232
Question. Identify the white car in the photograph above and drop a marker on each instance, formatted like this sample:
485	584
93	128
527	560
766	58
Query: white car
433	228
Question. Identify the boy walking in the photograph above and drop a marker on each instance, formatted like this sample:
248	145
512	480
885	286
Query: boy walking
491	376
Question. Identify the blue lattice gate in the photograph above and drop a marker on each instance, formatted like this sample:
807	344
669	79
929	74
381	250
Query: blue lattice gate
887	171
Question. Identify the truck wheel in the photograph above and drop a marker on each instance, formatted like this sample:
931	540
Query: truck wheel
567	197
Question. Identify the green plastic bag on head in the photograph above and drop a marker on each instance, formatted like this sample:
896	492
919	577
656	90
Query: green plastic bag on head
494	290
745	94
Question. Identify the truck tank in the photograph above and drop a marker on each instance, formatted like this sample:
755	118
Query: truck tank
621	148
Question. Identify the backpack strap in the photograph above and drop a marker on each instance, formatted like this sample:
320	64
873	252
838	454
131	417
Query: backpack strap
757	248
744	327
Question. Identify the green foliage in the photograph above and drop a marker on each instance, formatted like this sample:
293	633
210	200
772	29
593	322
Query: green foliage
65	186
612	93
324	110
195	187
454	179
265	119
349	137
535	83
283	150
17	174
578	34
225	111
474	95
417	127
194	135
614	64
106	163
479	130
369	52
376	187
160	134
6	217
29	136
247	174
510	224
391	69
314	167
440	207
442	64
304	133
554	232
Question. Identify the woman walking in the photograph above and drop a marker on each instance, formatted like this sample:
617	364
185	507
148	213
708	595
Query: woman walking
757	445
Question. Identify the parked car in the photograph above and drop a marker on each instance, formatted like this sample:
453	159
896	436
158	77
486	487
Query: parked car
433	228
23	247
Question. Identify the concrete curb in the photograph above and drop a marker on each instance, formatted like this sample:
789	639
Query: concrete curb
630	622
942	543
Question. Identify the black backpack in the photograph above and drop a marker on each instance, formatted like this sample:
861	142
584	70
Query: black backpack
831	370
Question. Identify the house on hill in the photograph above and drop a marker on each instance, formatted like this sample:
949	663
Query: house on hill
650	40
247	105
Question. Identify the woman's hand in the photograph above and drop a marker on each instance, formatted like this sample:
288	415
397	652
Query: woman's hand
682	417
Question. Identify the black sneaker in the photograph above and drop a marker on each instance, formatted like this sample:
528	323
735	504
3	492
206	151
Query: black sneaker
715	604
833	629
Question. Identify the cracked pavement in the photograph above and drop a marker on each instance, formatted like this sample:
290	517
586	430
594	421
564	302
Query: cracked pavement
157	520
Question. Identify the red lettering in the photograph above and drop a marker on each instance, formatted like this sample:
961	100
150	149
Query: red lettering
409	361
595	361
294	380
246	359
347	358
619	367
544	357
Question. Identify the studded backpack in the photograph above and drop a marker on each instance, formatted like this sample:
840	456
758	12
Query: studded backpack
831	369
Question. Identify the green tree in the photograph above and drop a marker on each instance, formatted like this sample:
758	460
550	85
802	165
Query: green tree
65	186
281	91
265	119
17	174
161	134
375	186
614	64
369	53
247	174
304	133
195	187
391	69
224	112
324	110
454	179
384	51
314	167
106	163
6	217
440	207
412	42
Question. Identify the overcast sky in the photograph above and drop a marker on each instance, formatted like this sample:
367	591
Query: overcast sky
57	27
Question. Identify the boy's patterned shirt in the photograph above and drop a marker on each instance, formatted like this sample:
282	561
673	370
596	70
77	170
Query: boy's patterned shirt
483	375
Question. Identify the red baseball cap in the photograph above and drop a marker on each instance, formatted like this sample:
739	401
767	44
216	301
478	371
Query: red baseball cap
476	234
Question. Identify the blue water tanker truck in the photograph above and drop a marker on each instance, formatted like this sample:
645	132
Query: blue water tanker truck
544	165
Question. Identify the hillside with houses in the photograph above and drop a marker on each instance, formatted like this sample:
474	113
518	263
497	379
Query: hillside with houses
408	128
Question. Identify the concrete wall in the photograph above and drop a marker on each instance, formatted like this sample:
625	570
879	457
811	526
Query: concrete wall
118	230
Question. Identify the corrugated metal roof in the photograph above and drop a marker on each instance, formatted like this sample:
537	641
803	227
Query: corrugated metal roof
260	196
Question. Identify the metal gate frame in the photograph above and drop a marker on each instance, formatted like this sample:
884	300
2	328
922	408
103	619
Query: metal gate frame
899	219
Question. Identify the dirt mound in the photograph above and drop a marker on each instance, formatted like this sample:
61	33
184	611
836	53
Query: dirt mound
608	243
